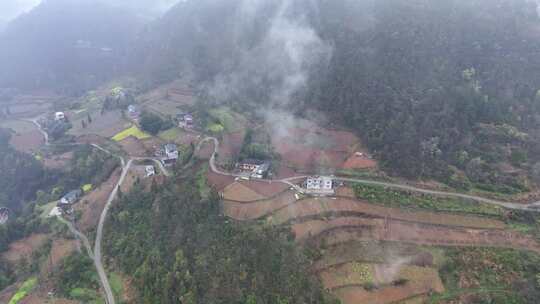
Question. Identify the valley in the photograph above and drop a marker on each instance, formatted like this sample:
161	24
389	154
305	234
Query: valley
341	220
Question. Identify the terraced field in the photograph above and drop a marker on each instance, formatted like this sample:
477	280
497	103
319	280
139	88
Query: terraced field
314	206
372	253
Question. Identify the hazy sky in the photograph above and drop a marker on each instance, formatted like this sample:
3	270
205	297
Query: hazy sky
9	9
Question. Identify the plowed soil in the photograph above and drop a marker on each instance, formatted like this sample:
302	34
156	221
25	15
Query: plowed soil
308	229
373	251
61	248
430	235
92	203
218	181
359	162
206	150
24	247
313	207
250	211
311	147
27	142
230	145
58	161
133	146
239	192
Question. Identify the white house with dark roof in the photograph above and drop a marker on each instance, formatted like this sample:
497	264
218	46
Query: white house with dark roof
171	154
319	185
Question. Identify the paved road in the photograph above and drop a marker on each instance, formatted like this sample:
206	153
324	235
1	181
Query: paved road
508	205
96	254
99	235
289	181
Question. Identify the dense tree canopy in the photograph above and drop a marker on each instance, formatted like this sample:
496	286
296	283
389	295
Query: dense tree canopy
180	250
442	89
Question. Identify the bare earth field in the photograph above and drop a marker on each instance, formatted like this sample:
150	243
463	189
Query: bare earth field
230	145
28	110
253	190
218	181
206	150
239	192
24	247
429	235
58	161
28	142
312	148
317	206
92	203
26	137
61	248
106	125
251	211
373	251
133	146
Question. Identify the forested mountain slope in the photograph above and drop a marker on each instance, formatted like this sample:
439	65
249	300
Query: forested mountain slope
444	89
71	45
180	249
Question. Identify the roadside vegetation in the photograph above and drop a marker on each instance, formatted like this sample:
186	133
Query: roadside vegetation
490	275
77	279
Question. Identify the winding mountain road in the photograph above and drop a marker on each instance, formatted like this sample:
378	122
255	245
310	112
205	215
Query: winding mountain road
99	235
533	207
96	255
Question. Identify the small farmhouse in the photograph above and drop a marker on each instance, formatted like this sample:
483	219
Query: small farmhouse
320	185
133	112
249	164
59	116
185	120
261	171
257	168
150	171
171	154
71	197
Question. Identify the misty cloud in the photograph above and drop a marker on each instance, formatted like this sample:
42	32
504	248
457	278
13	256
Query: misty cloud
10	9
279	65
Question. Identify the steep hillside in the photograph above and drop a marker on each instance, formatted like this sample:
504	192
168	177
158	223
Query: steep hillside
61	44
444	89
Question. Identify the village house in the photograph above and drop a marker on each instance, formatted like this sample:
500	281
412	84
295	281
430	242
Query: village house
249	164
258	168
150	171
185	120
261	171
133	112
319	185
171	154
59	116
71	197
